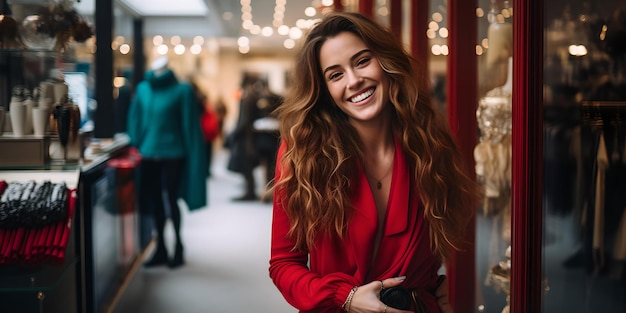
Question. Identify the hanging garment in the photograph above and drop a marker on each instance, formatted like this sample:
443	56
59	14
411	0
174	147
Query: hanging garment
619	246
599	207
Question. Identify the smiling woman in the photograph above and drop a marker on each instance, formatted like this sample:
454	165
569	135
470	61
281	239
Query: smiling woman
370	190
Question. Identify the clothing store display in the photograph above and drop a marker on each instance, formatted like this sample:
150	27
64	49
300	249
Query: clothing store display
602	221
163	123
493	157
619	247
164	126
602	163
33	204
28	244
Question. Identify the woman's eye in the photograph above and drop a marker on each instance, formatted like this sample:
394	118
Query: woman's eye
334	75
363	61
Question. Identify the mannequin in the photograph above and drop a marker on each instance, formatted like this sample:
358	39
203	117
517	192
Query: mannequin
163	124
495	71
493	152
160	65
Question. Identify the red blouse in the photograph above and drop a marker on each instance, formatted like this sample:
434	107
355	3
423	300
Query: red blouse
320	280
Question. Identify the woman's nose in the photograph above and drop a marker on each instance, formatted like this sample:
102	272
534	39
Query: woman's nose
354	80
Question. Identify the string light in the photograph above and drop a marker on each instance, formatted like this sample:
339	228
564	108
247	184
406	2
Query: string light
278	23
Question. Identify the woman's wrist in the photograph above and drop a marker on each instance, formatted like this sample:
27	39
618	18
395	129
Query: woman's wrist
346	304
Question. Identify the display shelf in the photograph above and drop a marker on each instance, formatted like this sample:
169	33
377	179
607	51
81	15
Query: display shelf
40	278
29	52
68	174
28	150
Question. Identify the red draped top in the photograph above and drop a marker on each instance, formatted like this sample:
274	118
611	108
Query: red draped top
320	280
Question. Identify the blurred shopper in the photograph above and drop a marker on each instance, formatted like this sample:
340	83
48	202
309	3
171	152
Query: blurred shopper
266	134
163	125
244	157
209	121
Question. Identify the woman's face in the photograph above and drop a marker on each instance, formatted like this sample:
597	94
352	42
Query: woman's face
354	77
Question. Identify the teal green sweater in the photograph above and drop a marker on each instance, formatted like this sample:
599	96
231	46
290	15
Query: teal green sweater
164	122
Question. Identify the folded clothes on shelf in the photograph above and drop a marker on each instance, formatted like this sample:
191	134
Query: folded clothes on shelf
33	204
35	232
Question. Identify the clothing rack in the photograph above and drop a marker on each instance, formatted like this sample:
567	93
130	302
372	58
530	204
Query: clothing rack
597	112
605	161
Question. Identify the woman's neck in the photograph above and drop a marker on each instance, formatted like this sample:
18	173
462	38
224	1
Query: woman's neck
378	145
376	136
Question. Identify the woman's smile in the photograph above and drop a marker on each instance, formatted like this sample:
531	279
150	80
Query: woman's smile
362	96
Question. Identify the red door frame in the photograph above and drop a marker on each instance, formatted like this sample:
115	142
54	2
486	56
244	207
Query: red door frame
527	172
462	99
527	175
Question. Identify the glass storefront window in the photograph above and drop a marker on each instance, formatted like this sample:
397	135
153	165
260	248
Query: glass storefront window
492	154
584	246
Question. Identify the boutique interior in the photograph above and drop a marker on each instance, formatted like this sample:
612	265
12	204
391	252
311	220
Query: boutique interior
64	97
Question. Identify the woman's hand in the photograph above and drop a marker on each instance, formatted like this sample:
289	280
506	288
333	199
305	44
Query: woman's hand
442	298
367	298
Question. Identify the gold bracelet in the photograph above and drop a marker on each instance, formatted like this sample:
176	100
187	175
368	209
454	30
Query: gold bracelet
346	305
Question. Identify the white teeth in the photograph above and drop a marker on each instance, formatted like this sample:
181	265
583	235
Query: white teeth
362	96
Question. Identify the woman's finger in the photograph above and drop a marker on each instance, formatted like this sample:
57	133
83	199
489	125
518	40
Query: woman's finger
391	282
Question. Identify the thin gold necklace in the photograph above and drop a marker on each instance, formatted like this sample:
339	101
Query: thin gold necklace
379	182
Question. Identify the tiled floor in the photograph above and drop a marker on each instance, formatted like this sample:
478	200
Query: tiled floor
227	252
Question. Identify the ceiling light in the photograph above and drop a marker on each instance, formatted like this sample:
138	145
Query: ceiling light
157	40
244	50
289	43
179	49
267	31
167	7
162	49
125	48
195	49
295	33
243	41
198	40
283	30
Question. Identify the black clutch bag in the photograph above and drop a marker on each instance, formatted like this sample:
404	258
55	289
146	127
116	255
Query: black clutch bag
400	298
396	297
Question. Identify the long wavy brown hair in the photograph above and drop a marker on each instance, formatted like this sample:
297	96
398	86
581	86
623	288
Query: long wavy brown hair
323	149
